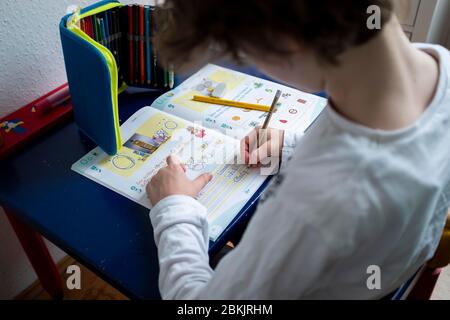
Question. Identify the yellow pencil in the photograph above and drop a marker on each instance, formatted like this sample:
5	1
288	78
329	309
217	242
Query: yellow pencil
231	103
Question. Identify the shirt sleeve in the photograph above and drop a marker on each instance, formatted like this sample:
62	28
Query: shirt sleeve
181	235
255	269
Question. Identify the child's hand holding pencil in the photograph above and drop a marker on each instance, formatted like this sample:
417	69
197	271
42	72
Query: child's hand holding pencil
261	147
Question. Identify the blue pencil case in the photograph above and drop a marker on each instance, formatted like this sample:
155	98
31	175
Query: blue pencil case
108	47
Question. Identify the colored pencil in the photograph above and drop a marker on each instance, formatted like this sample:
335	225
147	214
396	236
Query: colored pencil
141	44
107	31
112	40
231	103
104	34
116	27
130	43
99	31
136	44
171	77
88	26
155	78
112	33
95	27
121	45
91	27
166	79
148	46
102	30
115	16
115	22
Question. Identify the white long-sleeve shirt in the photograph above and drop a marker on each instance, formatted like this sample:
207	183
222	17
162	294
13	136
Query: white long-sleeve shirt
353	197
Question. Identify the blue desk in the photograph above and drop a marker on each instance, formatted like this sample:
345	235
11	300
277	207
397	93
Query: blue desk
106	232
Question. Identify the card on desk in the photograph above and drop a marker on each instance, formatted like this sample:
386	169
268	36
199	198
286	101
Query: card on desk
206	138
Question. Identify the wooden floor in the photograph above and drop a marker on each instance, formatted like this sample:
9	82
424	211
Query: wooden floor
442	290
92	287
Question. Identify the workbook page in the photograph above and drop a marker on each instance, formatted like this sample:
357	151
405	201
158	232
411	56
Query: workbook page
296	110
150	137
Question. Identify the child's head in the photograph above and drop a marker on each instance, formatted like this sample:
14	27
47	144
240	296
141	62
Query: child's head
268	33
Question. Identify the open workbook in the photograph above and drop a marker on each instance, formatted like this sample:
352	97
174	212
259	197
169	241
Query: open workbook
205	137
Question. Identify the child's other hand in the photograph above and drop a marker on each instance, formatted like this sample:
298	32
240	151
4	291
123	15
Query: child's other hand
270	142
172	180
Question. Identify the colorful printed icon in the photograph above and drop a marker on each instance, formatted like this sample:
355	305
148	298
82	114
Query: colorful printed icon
258	85
284	121
13	125
199	133
236	118
123	162
211	120
171	125
302	101
211	88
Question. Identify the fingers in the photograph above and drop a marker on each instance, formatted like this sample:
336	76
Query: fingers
201	182
259	148
258	156
257	136
244	155
249	144
174	162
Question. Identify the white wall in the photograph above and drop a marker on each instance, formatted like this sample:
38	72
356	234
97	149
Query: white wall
31	64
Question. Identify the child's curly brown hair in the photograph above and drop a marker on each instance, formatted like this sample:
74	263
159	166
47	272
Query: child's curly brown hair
186	28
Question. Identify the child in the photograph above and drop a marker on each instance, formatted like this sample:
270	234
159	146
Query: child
366	189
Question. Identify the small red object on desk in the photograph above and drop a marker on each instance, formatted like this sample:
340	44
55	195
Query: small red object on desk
55	100
30	121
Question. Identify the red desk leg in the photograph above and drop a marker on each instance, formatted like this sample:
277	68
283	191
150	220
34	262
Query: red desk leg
38	255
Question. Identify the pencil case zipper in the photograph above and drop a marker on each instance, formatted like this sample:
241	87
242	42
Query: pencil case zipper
109	57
